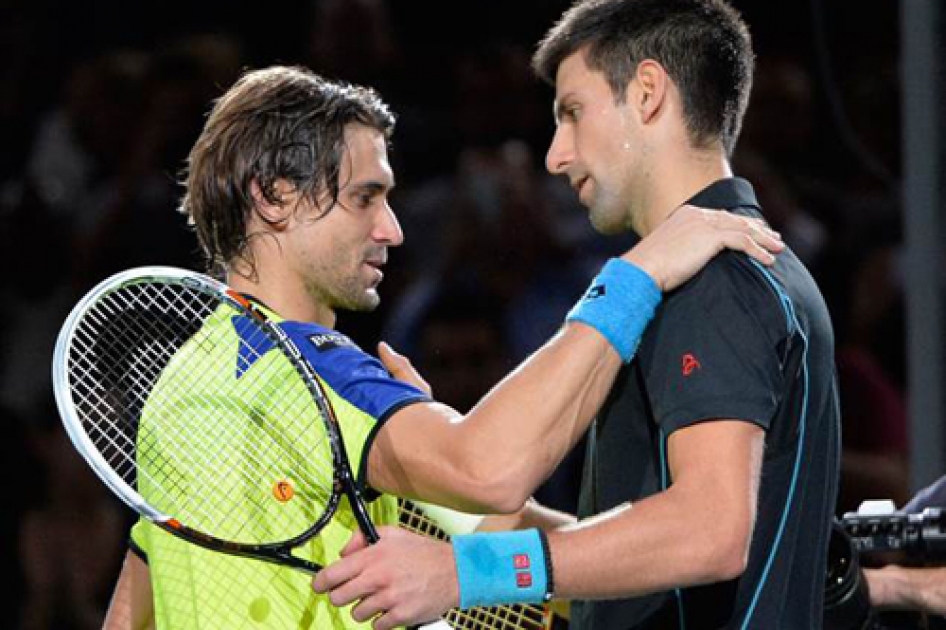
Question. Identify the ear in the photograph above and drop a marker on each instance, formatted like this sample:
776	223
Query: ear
653	84
275	214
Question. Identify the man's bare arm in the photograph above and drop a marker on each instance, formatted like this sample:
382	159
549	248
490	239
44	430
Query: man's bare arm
132	606
908	588
697	531
492	459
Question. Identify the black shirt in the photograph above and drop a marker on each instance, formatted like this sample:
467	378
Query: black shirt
737	341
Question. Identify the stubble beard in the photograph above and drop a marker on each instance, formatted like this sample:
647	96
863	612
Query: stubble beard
346	294
608	215
353	296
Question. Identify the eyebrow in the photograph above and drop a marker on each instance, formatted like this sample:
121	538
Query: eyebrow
372	187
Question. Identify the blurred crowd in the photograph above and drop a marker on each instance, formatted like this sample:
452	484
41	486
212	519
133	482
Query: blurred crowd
98	109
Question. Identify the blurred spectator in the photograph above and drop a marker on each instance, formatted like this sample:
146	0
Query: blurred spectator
355	41
69	538
20	471
868	304
501	222
780	121
503	228
35	296
139	225
460	345
802	231
83	140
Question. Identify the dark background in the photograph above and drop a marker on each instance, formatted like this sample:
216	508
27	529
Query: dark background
100	102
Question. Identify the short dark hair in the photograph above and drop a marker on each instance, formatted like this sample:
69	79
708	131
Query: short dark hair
280	122
703	44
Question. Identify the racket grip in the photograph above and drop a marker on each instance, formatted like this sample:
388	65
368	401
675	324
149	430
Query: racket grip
360	511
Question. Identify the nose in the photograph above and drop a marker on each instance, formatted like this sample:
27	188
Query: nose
387	229
561	151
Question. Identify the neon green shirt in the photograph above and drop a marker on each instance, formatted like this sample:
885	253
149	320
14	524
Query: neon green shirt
197	588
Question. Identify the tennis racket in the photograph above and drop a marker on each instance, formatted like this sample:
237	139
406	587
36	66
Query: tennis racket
241	456
509	617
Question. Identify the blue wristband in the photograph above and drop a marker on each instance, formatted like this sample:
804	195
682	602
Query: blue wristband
503	568
619	303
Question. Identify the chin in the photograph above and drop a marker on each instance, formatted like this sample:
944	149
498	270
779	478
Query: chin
607	226
366	303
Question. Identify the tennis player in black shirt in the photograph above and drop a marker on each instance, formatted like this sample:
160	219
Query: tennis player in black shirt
712	468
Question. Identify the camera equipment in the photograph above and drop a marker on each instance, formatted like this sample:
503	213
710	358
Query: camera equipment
846	597
870	537
917	538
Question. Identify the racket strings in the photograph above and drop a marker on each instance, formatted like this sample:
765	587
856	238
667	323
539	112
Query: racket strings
191	440
509	617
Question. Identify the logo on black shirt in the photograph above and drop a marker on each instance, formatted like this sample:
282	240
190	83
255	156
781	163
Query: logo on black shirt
690	364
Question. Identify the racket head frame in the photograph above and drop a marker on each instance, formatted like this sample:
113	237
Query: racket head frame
343	479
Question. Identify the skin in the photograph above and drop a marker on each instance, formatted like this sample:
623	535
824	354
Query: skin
311	261
315	259
132	605
632	165
908	588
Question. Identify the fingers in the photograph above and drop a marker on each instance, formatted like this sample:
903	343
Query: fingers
749	235
353	591
372	606
690	237
394	361
340	572
401	368
344	580
356	542
759	241
745	243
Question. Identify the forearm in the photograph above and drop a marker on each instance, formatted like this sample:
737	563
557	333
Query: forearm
696	531
659	543
909	588
492	459
529	422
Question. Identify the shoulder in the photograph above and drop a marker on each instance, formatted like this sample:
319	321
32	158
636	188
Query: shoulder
732	287
325	349
352	373
333	355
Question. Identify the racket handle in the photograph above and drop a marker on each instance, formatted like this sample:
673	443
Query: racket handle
361	514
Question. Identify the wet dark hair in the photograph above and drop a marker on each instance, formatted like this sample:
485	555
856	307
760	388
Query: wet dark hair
704	46
277	123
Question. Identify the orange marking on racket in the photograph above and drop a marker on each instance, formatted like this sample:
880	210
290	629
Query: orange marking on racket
283	491
239	298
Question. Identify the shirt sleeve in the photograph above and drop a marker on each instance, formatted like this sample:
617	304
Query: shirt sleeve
715	349
353	374
362	381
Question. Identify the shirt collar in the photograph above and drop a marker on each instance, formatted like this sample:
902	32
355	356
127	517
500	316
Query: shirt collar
728	193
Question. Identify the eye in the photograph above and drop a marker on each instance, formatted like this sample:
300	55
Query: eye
568	112
361	199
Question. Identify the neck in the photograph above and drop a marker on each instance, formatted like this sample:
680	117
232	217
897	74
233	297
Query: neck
682	175
281	293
